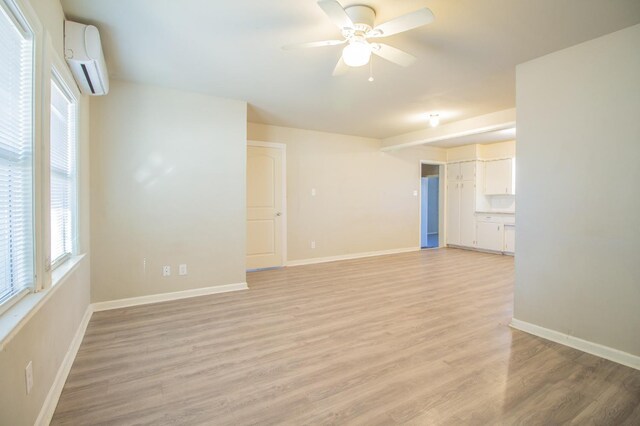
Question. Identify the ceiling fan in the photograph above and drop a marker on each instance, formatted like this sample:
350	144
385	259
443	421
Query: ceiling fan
357	26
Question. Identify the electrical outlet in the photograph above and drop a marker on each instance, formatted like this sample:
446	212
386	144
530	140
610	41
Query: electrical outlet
182	269
166	270
313	244
28	376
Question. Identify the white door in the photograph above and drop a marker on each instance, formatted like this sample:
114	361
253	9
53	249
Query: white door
453	213
467	214
265	199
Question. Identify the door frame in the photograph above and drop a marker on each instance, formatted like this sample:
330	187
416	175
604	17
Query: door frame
442	173
282	147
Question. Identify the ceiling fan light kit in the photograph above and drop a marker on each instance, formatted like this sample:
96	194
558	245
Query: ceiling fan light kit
357	53
357	25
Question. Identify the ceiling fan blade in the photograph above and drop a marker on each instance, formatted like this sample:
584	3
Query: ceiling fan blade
341	68
314	44
392	54
336	13
403	23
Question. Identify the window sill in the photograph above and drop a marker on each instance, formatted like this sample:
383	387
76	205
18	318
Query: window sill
19	314
64	269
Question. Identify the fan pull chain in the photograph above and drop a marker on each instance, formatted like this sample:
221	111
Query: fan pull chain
371	70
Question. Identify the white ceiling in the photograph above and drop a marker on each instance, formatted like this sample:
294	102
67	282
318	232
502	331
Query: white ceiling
465	67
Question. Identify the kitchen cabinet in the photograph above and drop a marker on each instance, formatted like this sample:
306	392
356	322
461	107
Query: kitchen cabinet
467	214
461	229
498	177
465	170
490	235
453	172
468	170
509	238
453	213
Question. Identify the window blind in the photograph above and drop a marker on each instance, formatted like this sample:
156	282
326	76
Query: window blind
16	154
63	172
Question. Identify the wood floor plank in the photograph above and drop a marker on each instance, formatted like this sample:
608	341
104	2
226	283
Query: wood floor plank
415	338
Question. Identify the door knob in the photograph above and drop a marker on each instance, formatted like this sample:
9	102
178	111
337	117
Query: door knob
279	214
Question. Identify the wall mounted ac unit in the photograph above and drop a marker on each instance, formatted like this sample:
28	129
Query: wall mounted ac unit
83	52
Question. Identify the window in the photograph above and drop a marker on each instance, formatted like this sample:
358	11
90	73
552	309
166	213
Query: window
16	154
63	172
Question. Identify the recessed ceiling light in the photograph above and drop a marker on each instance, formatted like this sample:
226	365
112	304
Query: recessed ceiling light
434	119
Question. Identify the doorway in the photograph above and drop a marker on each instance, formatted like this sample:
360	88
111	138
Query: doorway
430	206
266	203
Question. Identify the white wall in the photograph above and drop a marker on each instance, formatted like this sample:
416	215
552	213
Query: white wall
45	337
578	163
364	198
168	187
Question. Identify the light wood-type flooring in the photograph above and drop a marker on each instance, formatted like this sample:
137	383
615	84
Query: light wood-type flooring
419	338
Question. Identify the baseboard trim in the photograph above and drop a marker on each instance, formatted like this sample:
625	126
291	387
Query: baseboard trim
51	401
481	250
165	297
350	256
592	348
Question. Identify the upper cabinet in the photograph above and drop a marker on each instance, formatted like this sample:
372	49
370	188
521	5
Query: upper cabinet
468	170
499	177
453	171
465	170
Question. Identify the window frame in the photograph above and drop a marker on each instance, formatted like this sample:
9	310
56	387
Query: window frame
57	77
23	17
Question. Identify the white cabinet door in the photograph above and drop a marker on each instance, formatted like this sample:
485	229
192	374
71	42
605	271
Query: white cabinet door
453	213
453	172
468	170
498	177
490	236
467	214
510	238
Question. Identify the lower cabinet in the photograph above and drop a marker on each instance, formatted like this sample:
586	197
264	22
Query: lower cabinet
490	236
496	233
509	238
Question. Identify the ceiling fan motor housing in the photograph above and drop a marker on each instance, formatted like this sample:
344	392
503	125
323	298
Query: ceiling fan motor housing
362	16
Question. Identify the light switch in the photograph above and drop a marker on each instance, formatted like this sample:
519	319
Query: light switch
415	192
182	269
313	192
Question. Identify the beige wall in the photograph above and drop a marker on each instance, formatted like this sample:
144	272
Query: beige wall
168	187
482	151
577	268
497	150
364	197
45	337
462	153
